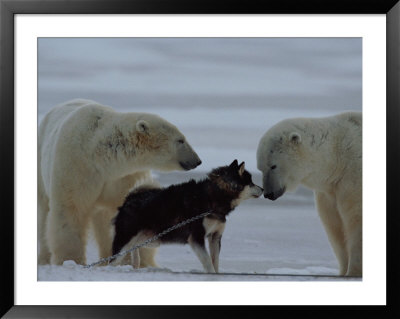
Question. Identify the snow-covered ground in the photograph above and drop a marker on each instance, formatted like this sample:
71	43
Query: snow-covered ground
223	94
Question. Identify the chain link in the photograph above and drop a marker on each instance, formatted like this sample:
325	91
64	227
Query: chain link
148	241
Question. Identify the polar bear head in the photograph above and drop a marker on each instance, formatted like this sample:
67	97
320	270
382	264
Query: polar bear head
283	158
161	146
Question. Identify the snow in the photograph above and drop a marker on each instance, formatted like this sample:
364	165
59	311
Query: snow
223	94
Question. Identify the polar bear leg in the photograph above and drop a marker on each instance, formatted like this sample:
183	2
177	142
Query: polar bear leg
42	215
101	222
333	224
43	211
353	233
67	234
355	253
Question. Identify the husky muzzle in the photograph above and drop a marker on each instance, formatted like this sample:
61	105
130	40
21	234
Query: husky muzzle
256	191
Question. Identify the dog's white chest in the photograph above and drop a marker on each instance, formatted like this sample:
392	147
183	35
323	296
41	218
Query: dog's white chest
213	226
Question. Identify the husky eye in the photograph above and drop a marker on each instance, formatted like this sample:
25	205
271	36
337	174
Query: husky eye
273	166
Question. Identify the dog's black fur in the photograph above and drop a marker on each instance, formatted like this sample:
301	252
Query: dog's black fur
154	210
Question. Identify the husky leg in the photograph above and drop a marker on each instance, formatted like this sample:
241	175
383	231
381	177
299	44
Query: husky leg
128	259
201	252
134	255
147	257
117	260
214	242
135	259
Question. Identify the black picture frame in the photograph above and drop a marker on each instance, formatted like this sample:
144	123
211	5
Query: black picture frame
8	10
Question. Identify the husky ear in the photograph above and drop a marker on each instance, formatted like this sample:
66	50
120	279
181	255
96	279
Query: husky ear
234	164
142	126
241	169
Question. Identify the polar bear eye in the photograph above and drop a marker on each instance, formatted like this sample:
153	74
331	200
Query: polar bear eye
273	166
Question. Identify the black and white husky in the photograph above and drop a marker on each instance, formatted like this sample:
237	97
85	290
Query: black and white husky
147	212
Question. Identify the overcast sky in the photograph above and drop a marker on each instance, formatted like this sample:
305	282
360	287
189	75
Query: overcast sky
141	73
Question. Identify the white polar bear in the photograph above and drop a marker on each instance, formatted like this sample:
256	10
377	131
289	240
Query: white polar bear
324	154
89	157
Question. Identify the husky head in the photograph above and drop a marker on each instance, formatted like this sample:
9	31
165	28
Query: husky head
235	179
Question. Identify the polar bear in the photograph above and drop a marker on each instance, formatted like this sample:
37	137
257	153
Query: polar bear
324	154
89	157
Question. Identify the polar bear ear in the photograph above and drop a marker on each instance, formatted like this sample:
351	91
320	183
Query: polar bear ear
295	138
142	126
241	169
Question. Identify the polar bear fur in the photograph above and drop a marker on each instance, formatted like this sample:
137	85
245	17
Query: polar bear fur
89	158
324	154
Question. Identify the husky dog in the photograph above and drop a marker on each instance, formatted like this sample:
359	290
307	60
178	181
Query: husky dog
147	212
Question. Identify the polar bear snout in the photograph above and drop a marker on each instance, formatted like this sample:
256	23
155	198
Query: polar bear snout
187	157
190	162
272	187
188	165
275	194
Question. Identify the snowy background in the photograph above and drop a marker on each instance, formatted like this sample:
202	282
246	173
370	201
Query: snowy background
223	94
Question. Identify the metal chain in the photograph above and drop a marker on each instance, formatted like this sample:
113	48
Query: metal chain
148	241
